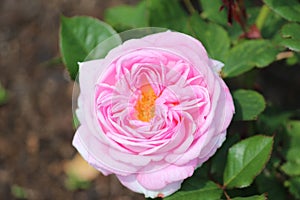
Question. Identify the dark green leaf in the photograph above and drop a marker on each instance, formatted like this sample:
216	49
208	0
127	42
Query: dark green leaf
167	13
79	36
197	191
246	160
292	166
291	38
248	104
267	183
214	38
272	25
211	10
126	17
288	9
247	55
293	130
294	186
272	120
256	197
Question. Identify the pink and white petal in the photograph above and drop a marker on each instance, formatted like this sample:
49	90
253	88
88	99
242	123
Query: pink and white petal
135	160
89	72
157	180
181	44
132	183
89	146
217	65
212	148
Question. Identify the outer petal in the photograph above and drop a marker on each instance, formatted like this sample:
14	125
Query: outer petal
132	183
159	179
96	153
178	43
89	72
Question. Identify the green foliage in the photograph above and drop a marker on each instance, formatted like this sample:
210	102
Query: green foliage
167	13
292	166
256	197
246	160
248	104
127	17
197	190
247	55
291	38
289	10
294	186
211	11
267	182
78	37
214	38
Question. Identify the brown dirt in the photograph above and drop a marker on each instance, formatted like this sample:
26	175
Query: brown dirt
36	123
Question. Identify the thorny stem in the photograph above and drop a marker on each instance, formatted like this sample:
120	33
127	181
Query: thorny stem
262	16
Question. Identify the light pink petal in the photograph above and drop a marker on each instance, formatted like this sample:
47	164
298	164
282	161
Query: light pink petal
89	72
132	183
159	179
96	153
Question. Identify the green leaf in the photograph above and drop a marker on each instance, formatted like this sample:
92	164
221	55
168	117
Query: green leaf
167	13
246	160
293	130
292	166
272	25
192	190
255	197
248	104
214	38
211	10
294	185
288	9
272	120
291	38
267	183
127	17
247	55
79	36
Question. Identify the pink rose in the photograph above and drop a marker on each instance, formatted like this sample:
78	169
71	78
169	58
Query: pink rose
152	111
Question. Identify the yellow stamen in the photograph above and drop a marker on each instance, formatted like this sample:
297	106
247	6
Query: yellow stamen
145	106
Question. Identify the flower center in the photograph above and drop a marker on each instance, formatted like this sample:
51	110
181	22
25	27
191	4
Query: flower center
145	106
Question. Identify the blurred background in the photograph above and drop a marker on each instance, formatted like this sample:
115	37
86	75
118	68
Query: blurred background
36	120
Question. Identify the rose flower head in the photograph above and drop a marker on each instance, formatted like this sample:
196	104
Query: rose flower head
152	111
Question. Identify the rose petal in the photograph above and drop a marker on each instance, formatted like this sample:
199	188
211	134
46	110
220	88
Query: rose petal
159	179
132	183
